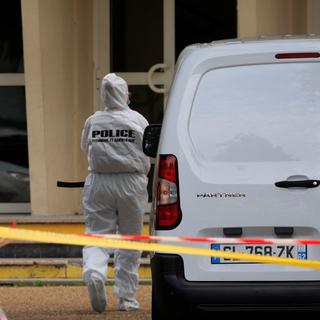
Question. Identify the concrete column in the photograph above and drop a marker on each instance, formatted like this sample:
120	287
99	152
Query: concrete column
272	17
247	18
58	73
313	16
35	105
84	88
298	17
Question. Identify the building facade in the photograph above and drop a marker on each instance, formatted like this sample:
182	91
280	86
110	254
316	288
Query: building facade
52	60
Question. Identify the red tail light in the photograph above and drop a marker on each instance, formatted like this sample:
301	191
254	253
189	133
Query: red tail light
168	213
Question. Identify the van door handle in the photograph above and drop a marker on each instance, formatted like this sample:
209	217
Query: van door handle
299	184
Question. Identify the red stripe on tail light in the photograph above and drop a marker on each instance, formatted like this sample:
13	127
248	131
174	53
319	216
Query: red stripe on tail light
168	168
168	217
168	213
297	55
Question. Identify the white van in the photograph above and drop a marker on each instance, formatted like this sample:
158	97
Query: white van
239	156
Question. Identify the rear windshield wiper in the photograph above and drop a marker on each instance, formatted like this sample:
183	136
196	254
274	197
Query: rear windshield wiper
298	184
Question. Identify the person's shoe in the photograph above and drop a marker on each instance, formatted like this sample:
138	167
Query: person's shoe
128	304
97	294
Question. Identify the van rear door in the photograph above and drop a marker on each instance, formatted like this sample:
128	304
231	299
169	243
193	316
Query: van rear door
251	126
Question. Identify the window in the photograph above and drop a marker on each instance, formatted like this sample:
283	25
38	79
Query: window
260	113
136	35
14	167
11	48
204	21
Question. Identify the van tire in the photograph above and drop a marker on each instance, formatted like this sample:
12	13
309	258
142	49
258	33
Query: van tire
160	314
156	313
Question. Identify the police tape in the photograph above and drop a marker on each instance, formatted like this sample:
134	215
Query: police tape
283	241
84	240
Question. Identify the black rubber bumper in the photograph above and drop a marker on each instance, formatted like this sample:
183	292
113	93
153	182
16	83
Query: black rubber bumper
171	290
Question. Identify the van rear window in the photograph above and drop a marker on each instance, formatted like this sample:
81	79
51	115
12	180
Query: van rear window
258	113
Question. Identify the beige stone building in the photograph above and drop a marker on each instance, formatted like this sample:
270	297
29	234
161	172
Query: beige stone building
52	60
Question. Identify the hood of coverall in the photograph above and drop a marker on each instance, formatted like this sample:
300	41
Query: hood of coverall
114	92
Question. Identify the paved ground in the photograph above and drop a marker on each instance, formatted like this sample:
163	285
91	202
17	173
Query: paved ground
66	303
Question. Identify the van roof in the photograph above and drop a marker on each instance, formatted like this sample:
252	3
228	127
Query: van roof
261	44
253	40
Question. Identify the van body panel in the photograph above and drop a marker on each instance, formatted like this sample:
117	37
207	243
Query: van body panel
239	120
184	298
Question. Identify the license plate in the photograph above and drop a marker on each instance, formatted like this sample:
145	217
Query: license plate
282	251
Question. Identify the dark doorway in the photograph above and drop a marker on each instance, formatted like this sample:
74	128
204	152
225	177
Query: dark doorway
204	21
14	166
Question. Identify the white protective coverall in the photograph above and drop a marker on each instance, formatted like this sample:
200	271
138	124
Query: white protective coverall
115	191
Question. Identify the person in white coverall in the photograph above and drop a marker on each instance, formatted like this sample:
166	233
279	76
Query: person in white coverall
115	191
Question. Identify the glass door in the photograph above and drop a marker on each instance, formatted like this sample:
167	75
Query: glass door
135	39
14	167
140	40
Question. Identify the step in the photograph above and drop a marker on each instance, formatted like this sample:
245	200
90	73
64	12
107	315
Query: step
27	262
36	250
53	223
60	269
72	224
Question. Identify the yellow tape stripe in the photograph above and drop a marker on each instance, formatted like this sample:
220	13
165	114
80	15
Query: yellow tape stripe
71	239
